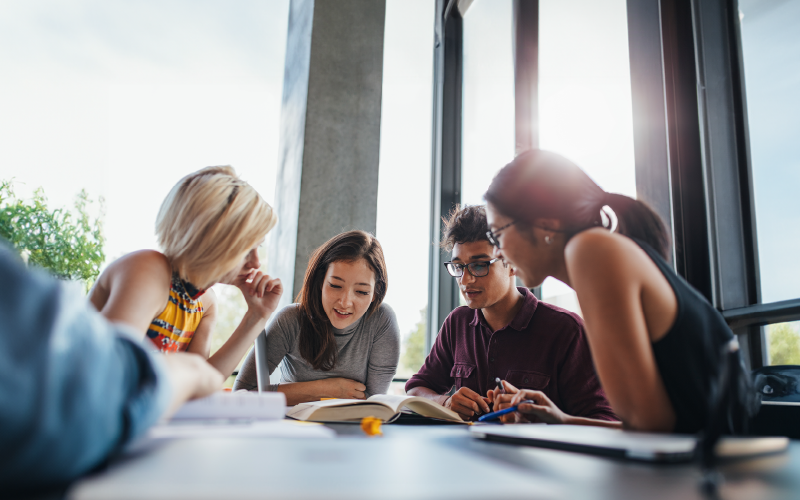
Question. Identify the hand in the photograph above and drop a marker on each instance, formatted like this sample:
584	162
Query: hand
502	400
467	403
191	377
343	388
543	409
261	292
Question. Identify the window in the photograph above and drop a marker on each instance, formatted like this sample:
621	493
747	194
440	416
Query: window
403	221
123	99
488	96
770	50
585	99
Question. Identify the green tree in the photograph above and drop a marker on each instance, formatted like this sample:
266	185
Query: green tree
69	245
414	348
784	344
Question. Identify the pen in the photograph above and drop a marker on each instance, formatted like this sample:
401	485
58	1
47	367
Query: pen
500	386
497	414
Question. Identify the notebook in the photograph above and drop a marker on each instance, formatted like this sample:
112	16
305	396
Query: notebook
383	406
241	405
624	444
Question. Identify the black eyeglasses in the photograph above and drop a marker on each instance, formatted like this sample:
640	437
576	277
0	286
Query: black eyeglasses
477	269
492	235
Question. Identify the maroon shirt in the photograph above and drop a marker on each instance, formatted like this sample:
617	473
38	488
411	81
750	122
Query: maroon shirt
543	348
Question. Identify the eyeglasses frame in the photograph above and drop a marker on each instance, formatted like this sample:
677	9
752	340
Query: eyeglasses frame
492	235
466	266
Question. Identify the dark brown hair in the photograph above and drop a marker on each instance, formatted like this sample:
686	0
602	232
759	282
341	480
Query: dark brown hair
464	225
317	343
541	184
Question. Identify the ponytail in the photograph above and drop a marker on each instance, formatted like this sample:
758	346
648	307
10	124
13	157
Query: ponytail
541	184
636	219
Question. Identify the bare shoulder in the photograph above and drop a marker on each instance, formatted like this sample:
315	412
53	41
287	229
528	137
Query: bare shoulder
147	268
598	250
209	300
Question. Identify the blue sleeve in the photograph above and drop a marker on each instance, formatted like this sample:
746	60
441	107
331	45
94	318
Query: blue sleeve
74	388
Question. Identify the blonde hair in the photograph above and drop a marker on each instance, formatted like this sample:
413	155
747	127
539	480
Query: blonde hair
209	221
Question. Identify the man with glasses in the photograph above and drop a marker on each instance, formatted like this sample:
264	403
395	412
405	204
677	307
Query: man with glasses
505	332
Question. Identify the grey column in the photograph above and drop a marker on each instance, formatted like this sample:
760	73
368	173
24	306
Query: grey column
330	130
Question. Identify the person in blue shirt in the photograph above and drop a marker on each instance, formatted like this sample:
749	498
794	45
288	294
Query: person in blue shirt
75	388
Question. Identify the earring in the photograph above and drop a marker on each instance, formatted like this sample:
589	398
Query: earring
548	239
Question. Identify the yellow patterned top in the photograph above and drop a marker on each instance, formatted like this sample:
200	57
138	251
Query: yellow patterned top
173	329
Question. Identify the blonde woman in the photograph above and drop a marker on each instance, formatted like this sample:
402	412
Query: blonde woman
209	229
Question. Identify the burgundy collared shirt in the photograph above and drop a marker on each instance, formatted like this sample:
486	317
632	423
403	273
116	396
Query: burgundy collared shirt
543	348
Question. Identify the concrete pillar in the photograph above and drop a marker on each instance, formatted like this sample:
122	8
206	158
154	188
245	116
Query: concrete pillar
330	130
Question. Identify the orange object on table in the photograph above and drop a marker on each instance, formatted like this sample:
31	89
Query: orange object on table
371	426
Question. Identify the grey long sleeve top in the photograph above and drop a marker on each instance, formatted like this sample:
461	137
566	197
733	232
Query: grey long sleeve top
368	351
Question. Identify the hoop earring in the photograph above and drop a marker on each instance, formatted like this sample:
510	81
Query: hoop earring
548	239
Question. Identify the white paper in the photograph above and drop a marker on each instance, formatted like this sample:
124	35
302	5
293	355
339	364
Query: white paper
278	429
232	406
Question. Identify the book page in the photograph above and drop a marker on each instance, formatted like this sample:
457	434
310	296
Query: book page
423	406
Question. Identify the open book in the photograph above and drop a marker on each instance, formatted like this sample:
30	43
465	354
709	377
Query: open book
382	406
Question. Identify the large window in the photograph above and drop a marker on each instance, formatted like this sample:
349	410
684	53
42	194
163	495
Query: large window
403	222
771	51
123	99
585	98
488	96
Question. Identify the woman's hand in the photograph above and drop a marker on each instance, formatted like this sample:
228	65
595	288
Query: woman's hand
261	292
343	388
543	410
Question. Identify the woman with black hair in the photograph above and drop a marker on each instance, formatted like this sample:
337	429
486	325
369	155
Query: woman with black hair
657	344
339	340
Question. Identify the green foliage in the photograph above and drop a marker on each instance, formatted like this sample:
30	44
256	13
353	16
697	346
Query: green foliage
784	344
414	348
68	245
231	308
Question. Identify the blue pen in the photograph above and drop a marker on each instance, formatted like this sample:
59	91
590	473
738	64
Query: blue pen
497	414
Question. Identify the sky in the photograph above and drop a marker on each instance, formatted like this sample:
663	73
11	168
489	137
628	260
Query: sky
125	98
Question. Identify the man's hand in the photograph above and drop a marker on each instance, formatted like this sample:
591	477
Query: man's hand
344	388
467	403
191	377
261	292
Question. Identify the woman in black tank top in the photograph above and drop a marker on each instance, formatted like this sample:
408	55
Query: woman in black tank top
658	345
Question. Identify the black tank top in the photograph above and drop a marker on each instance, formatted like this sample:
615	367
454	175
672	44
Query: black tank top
689	356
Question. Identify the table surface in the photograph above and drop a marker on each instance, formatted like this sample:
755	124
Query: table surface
412	462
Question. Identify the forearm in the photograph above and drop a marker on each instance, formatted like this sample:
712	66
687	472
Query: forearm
231	353
426	393
570	420
303	392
